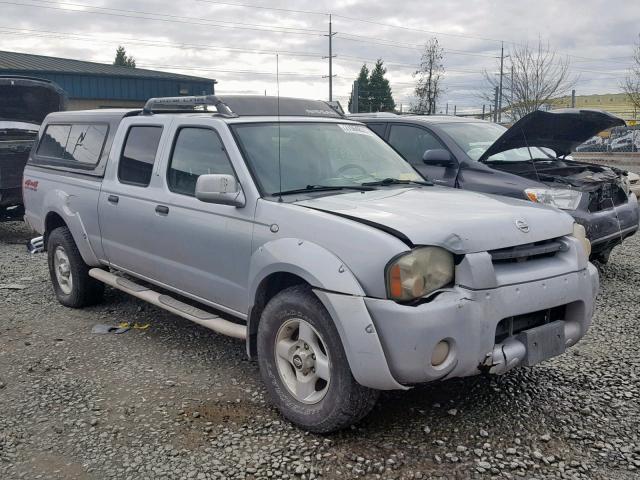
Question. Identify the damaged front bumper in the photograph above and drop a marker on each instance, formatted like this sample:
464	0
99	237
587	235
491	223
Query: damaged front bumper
608	228
488	329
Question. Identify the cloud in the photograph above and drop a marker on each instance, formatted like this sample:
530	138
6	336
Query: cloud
205	38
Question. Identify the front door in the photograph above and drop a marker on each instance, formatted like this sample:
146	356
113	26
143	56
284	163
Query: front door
205	248
412	141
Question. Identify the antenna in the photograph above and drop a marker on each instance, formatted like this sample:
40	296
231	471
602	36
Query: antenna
533	162
278	108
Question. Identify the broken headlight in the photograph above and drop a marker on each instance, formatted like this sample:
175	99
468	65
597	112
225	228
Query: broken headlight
563	198
418	273
581	234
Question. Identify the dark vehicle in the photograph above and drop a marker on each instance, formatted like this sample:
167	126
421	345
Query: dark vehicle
530	160
24	102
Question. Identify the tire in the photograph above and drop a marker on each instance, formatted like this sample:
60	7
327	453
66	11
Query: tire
331	405
81	290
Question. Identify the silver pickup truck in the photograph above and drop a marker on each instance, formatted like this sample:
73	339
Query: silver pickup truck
281	222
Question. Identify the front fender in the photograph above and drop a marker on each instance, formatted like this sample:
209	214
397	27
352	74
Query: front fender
342	295
316	265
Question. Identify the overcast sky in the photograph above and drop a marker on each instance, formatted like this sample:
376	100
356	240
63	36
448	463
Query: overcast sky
236	45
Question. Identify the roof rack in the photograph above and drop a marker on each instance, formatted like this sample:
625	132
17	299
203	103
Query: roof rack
186	104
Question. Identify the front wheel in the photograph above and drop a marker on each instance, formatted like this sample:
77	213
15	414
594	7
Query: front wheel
69	274
304	366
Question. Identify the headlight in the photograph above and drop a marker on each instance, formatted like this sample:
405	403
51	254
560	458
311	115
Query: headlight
418	273
581	234
563	198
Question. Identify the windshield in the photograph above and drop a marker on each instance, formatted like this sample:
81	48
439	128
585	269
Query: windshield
330	154
476	138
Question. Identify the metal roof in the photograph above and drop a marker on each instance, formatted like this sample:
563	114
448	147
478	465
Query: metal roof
29	63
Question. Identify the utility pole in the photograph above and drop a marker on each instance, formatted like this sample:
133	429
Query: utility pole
501	75
495	105
455	108
573	98
354	97
330	57
483	111
446	110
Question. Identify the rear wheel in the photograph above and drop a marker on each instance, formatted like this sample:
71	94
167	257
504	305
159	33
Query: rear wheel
69	274
304	366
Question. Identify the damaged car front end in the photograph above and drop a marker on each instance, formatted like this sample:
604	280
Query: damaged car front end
598	197
531	161
24	102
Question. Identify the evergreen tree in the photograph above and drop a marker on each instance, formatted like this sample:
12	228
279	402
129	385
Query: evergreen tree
379	90
363	90
122	59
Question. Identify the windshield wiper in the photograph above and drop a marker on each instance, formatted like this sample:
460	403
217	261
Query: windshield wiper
395	181
322	188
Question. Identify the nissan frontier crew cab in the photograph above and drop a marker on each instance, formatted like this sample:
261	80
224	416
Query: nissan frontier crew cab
279	221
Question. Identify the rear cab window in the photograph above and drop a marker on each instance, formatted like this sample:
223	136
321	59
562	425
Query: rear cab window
139	154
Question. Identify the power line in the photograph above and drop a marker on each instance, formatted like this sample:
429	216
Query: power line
149	42
275	9
167	18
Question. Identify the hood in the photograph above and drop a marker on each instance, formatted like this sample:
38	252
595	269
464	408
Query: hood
560	130
460	221
29	100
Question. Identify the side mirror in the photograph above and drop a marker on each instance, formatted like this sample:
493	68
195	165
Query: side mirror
439	156
222	189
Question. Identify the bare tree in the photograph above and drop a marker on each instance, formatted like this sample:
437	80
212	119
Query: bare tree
533	76
631	84
430	75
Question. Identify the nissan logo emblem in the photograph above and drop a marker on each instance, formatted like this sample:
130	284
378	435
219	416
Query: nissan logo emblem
297	361
522	226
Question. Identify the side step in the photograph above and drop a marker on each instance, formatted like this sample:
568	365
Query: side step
201	317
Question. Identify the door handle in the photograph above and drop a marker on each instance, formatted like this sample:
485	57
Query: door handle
162	210
113	198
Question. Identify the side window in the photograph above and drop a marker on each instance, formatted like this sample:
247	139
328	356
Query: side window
75	143
54	141
139	154
412	142
86	142
379	128
197	151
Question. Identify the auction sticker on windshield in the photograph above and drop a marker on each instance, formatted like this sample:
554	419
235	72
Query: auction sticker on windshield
358	129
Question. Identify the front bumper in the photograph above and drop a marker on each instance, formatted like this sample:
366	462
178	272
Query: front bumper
467	319
607	228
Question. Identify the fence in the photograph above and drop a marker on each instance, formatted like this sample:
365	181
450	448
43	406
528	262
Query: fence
618	140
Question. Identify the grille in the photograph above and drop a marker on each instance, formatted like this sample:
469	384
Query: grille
607	196
513	325
528	251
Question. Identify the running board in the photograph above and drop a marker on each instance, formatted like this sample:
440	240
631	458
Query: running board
166	302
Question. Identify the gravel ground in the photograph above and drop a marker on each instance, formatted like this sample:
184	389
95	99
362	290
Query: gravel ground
178	401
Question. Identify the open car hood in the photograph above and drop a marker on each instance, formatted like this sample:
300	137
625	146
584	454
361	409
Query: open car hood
560	130
25	99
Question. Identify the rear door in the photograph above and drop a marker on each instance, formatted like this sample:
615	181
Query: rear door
131	192
412	141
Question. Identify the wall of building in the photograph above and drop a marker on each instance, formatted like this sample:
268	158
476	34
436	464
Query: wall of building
90	104
120	88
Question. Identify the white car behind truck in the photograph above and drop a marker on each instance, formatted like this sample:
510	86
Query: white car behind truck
281	222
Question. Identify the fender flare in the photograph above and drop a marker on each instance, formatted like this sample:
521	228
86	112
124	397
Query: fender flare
319	267
58	202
